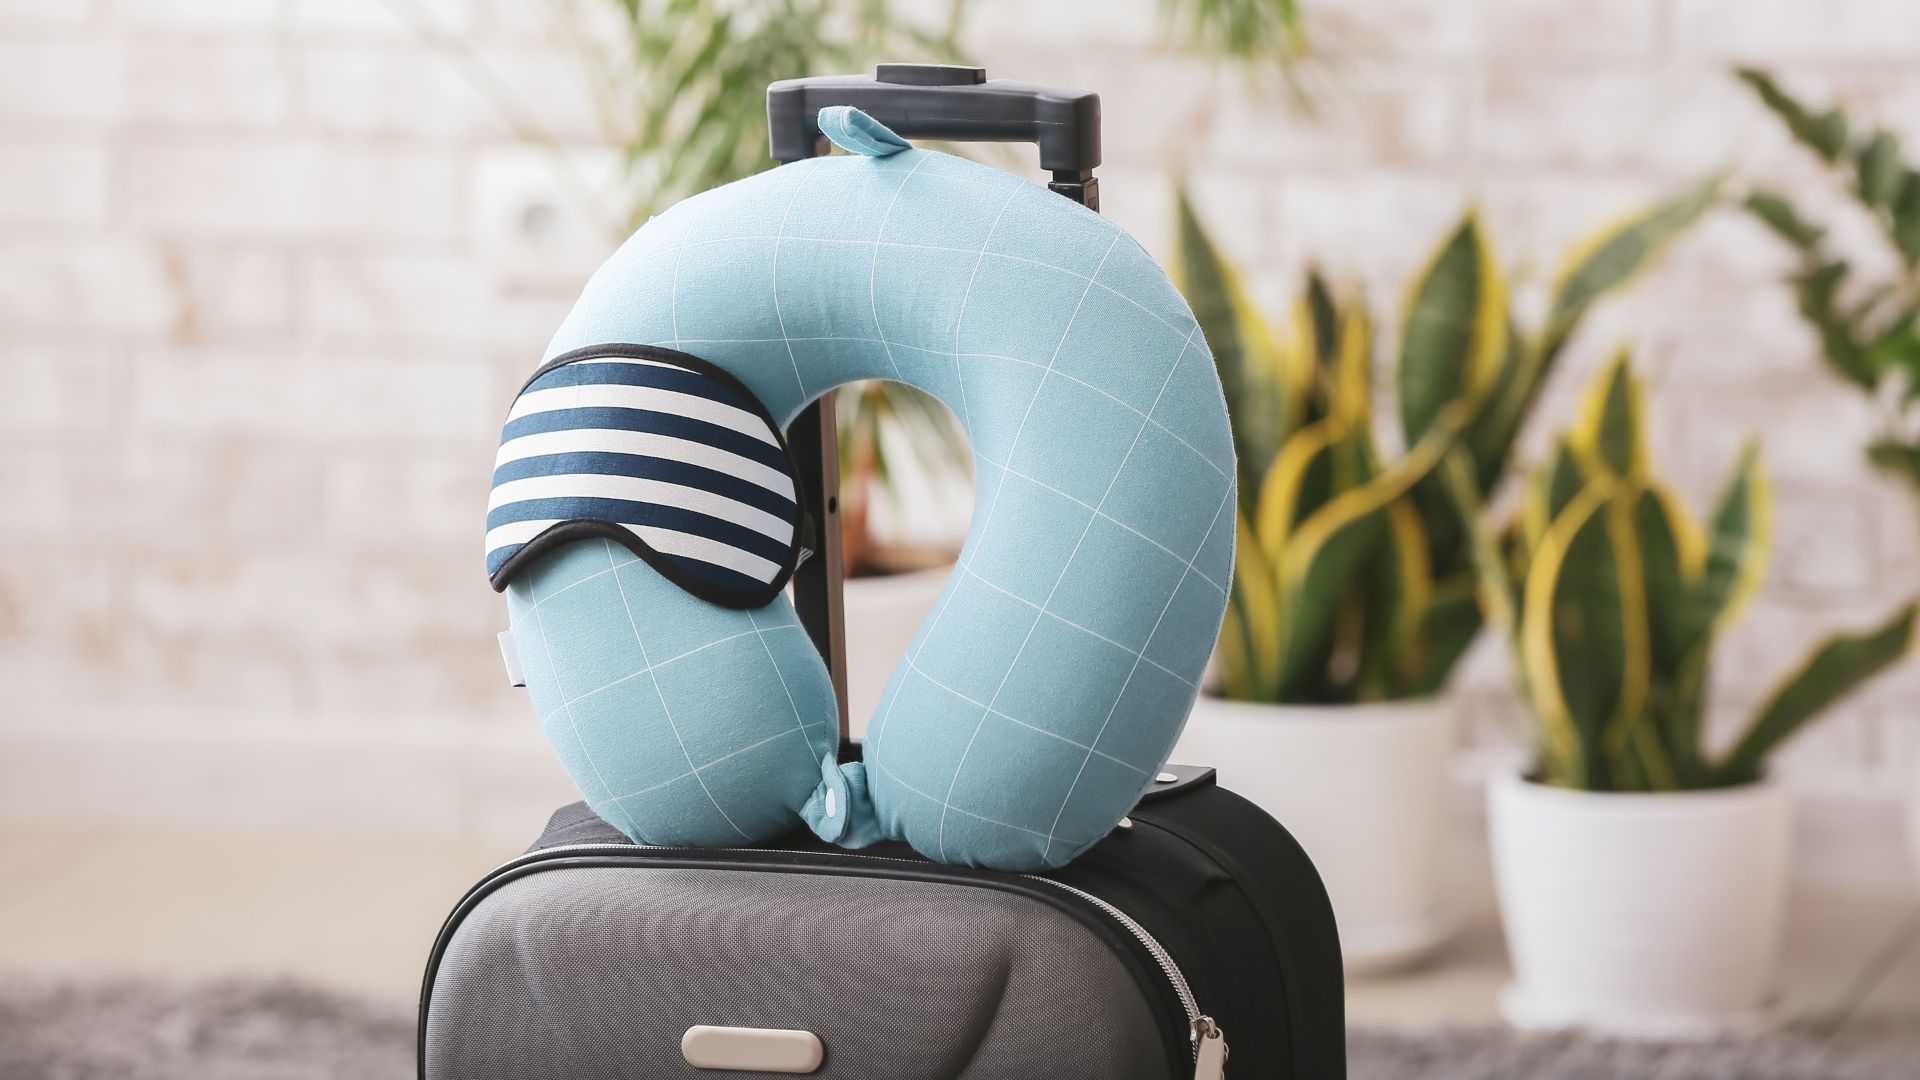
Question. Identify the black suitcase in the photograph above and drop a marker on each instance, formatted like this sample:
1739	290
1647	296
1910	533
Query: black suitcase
1198	927
1195	940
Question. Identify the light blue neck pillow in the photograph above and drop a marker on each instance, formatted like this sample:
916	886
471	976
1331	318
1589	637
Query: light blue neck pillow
644	516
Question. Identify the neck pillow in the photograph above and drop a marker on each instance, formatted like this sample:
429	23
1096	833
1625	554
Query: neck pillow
644	515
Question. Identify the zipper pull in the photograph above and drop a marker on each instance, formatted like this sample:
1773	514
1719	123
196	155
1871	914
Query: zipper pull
1210	1050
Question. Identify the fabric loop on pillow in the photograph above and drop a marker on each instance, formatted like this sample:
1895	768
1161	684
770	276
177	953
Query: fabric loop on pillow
857	133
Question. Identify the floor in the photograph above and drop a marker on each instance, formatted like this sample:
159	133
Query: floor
358	911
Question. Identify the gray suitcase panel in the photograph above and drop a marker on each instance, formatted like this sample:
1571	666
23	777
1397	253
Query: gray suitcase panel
595	973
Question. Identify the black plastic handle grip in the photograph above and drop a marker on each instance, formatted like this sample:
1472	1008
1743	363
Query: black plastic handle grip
943	101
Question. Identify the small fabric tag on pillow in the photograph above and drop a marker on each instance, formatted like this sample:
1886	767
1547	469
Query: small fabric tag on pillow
510	656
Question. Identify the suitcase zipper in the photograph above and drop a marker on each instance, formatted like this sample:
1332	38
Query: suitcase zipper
1208	1039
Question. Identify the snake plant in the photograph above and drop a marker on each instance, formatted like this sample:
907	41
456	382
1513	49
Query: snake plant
1614	597
1354	576
1869	330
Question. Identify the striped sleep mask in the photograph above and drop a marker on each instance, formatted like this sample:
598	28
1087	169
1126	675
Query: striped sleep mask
656	450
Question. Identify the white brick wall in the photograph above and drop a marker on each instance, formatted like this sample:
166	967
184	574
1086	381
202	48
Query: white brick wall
261	304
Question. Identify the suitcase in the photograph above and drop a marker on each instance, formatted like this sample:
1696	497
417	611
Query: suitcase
1194	940
1199	932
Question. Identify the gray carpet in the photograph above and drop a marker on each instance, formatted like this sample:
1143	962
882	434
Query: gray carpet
266	1030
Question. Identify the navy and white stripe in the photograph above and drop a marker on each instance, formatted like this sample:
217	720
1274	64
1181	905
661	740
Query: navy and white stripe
658	450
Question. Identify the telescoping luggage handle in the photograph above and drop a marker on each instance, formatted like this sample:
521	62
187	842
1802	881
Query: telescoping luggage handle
951	102
930	101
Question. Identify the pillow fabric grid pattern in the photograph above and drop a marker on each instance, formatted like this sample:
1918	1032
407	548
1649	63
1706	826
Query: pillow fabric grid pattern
632	676
1058	666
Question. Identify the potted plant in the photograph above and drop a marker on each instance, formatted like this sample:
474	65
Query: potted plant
1641	874
1354	586
1869	330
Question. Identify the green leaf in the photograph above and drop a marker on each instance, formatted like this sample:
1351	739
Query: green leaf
1497	588
1452	621
1350	389
1337	541
1897	349
1491	435
1611	431
1817	288
1323	321
1676	703
1835	670
1454	334
1394	596
1668	578
1783	218
1316	585
1880	172
1265	398
1606	261
1256	602
1739	542
1202	275
1906	218
1824	133
1667	746
1899	458
1237	679
1300	480
1550	488
1447	501
1612	257
1583	636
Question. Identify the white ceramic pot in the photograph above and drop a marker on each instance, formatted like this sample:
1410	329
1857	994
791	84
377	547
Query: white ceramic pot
1364	789
1654	916
882	614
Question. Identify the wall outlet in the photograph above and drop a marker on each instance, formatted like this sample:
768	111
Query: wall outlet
545	216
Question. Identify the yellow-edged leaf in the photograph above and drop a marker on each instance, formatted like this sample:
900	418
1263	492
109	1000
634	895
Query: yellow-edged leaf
1335	541
1268	387
1669	574
1319	318
1834	670
1494	583
1236	664
1413	568
1610	432
1688	536
1353	383
1550	487
1280	505
1394	481
1612	256
1563	744
1636	646
1257	594
1742	541
1454	335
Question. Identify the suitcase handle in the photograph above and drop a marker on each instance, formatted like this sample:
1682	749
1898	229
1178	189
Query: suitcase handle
952	102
